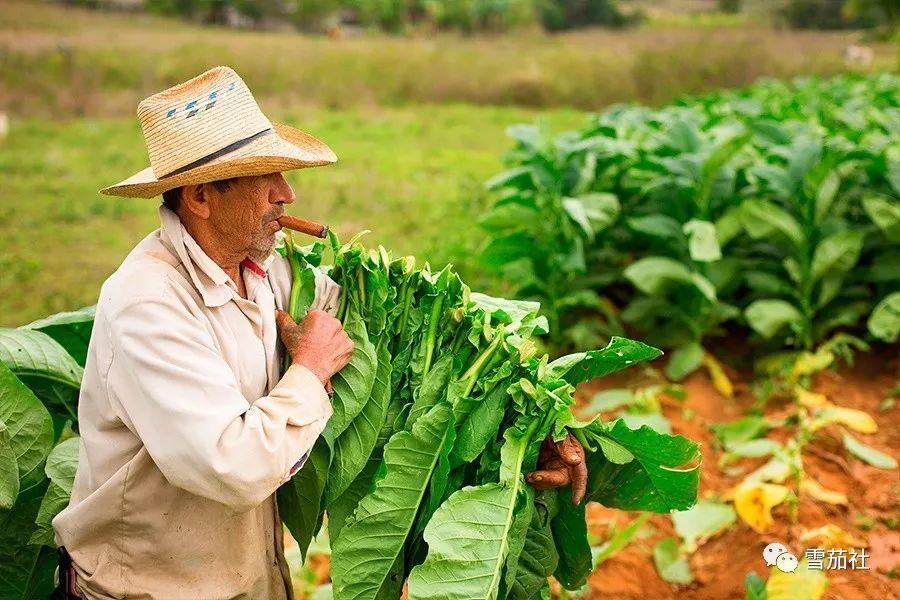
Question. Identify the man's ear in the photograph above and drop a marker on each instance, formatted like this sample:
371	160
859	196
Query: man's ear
194	200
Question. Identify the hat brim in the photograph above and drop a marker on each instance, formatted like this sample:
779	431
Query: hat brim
288	149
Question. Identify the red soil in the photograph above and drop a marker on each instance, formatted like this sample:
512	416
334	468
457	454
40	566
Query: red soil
721	564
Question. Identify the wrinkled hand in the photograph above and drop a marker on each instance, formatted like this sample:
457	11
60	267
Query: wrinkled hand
318	342
560	464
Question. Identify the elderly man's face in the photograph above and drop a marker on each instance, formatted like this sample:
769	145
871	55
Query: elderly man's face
246	213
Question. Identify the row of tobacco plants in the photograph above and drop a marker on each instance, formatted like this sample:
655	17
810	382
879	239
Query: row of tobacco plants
762	223
418	479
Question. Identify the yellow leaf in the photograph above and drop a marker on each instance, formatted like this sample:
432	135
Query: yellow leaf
754	502
856	420
811	399
823	494
776	470
802	584
720	380
809	363
831	536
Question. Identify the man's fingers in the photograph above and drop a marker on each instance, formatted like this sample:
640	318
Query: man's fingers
579	476
548	479
570	450
328	387
280	316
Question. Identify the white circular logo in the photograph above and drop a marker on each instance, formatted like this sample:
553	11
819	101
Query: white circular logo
777	555
786	562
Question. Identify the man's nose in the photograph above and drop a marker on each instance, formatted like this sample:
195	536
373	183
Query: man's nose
282	192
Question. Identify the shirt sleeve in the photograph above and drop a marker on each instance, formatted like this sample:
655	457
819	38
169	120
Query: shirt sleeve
178	394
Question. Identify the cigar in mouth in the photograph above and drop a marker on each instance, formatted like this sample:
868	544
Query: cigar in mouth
303	226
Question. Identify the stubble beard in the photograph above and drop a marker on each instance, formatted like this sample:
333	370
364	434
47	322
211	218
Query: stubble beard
263	243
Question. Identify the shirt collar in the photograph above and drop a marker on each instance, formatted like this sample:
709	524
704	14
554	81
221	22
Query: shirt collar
213	283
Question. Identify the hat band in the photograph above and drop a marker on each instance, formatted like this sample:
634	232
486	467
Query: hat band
221	152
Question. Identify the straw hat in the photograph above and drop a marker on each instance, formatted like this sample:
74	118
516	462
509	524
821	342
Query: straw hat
210	128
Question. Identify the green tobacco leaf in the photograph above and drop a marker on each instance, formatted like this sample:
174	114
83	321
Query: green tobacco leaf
26	570
712	169
9	470
743	430
728	225
761	218
752	448
884	322
518	177
469	535
702	242
62	463
433	387
354	446
537	561
504	310
683	136
702	521
510	216
684	361
826	194
72	330
502	250
658	480
521	522
654	420
885	214
28	425
868	454
570	536
373	539
655	275
768	317
45	367
353	384
613	450
60	468
467	545
300	499
602	209
618	354
755	586
670	565
577	212
342	508
661	229
608	400
804	154
837	253
480	426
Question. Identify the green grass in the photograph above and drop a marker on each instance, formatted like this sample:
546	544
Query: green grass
416	122
413	176
57	61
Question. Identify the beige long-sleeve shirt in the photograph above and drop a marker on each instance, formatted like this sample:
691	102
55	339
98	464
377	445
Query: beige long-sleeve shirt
187	429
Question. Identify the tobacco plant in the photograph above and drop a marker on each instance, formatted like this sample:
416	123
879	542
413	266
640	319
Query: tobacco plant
437	417
772	208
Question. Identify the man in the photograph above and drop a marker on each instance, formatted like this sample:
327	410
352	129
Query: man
187	426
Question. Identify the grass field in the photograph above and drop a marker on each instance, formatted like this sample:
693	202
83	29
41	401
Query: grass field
411	175
417	123
71	62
